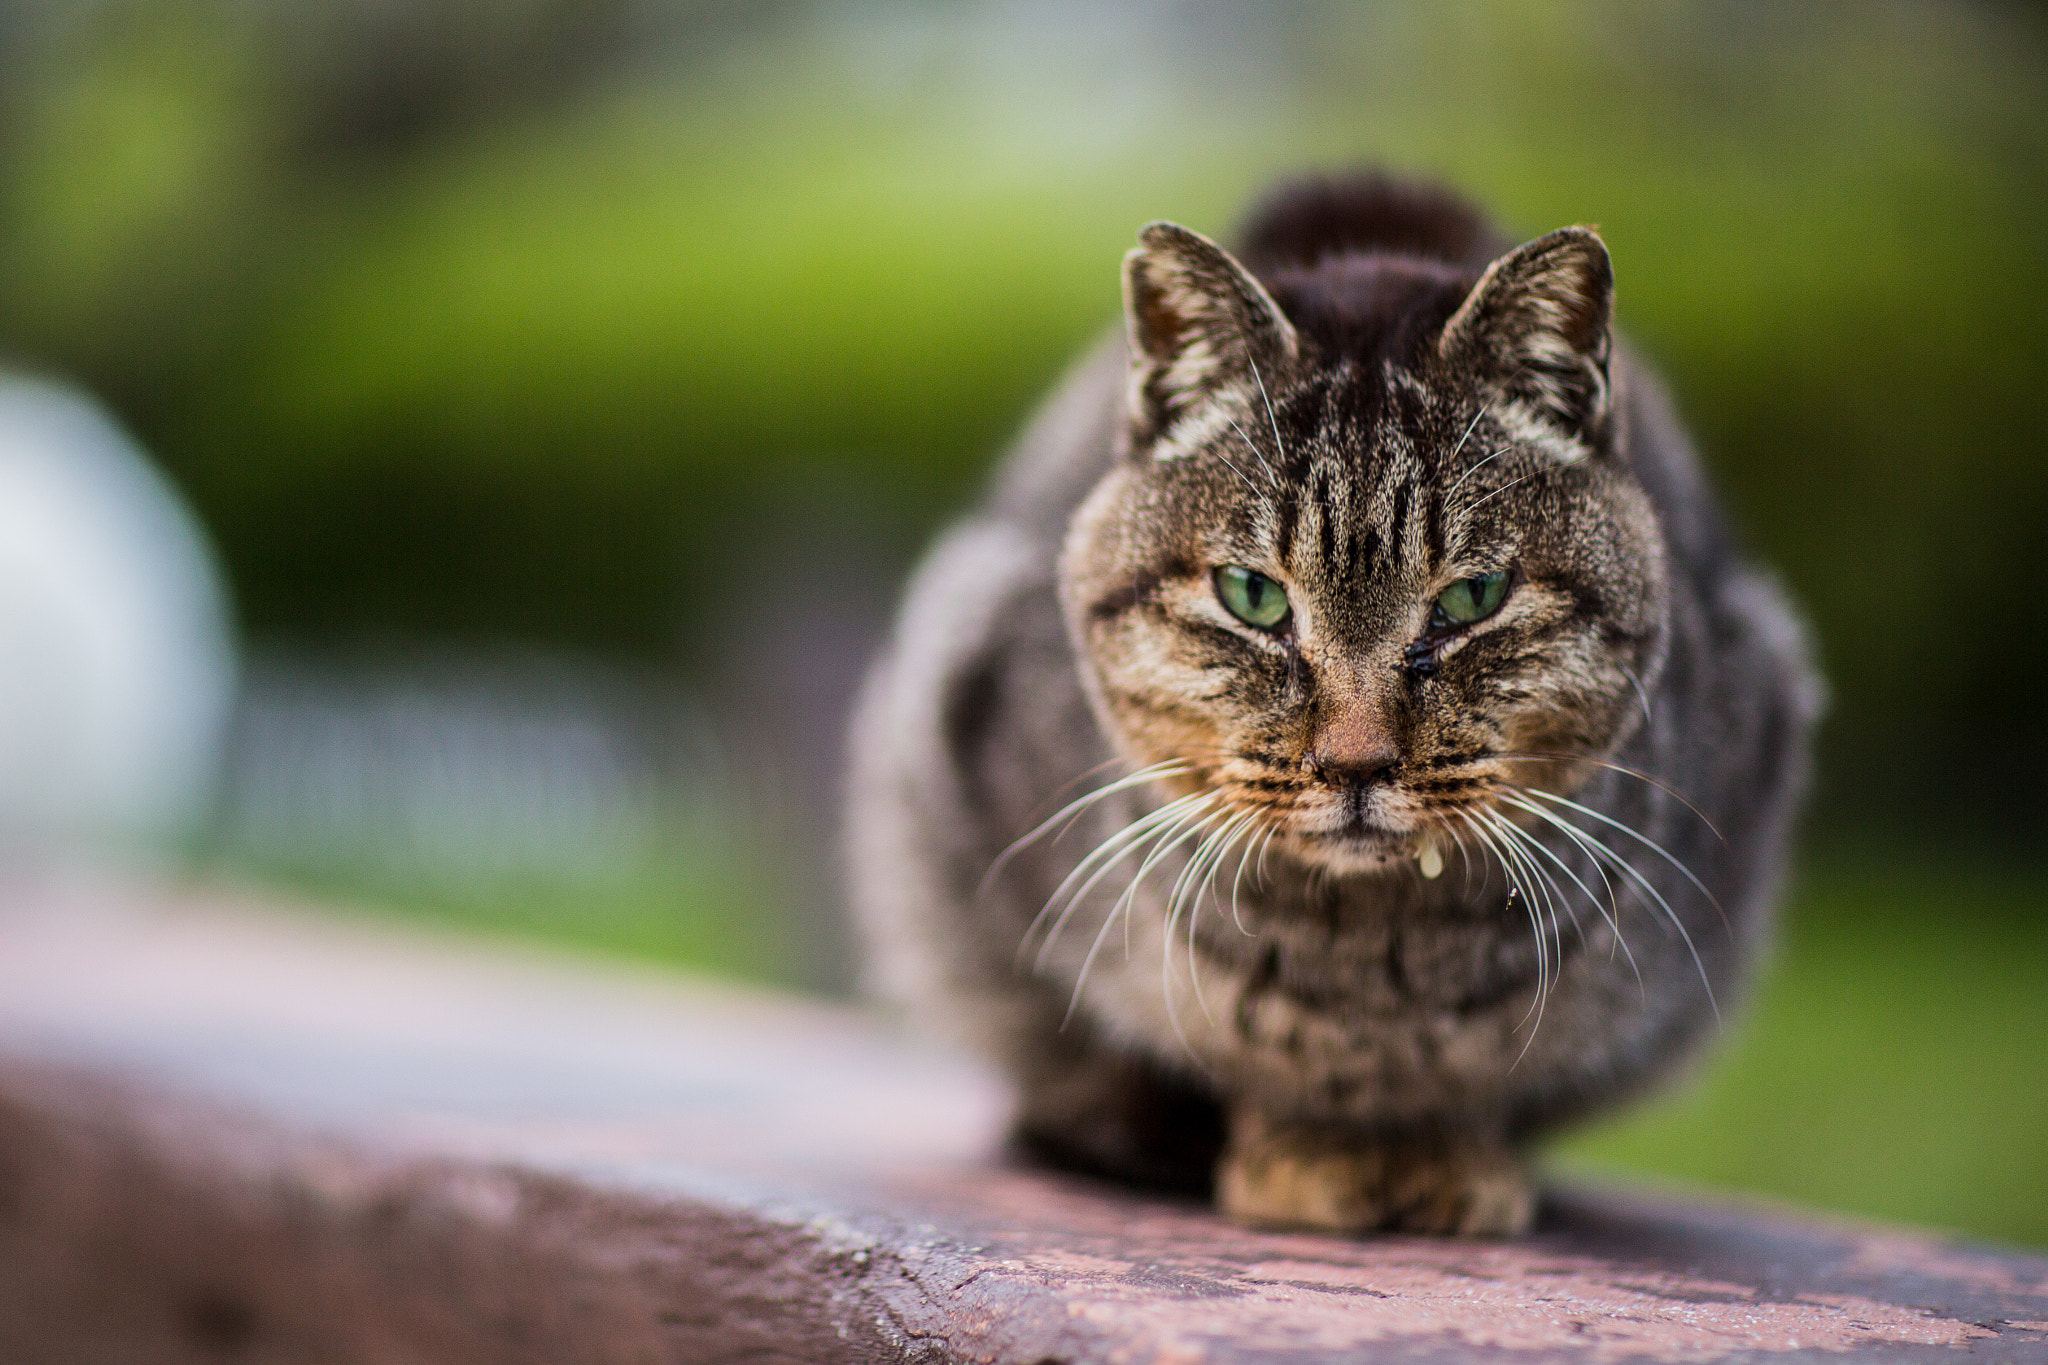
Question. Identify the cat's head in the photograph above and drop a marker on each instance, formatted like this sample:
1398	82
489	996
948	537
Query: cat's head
1371	558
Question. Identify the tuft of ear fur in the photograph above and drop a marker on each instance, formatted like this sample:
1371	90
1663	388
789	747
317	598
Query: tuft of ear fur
1204	334
1535	327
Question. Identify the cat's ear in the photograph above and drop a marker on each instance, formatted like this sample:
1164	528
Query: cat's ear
1203	334
1535	330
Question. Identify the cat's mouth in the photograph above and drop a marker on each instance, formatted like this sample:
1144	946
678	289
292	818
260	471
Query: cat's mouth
1363	827
1355	835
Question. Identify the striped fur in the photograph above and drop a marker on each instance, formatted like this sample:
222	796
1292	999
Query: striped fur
1232	961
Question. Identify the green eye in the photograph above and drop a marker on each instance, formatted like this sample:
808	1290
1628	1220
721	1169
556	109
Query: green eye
1251	597
1470	599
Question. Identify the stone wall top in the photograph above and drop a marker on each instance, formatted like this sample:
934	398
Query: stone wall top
237	1133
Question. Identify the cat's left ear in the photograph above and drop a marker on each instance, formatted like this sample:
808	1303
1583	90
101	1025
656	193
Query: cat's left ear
1535	329
1204	334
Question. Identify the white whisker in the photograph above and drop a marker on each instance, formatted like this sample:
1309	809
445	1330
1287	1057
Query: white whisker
1641	695
1232	465
1098	864
1490	458
1599	851
1643	839
1178	833
1626	771
1252	446
1279	446
1535	1010
1523	839
1210	857
1186	899
1237	881
1534	882
1104	856
1613	919
1505	487
1075	808
1176	905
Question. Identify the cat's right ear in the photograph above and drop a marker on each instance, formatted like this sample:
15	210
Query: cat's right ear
1535	331
1204	336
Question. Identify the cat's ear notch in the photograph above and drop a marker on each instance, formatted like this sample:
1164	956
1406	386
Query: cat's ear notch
1535	329
1203	333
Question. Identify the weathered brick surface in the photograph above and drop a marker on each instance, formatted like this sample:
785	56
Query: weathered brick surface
238	1136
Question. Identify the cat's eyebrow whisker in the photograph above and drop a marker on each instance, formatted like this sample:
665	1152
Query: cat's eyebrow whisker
1601	852
1279	446
1470	427
1504	488
1232	465
1479	417
1490	458
1272	474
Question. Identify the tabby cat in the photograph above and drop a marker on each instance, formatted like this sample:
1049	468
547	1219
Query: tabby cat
1347	740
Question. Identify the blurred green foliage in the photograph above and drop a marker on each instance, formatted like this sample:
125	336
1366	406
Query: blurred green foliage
705	915
520	367
1890	1064
501	318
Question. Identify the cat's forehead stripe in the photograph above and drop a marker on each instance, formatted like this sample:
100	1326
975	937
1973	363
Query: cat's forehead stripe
1357	473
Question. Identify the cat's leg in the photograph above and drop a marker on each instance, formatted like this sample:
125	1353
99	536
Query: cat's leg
1338	1180
1090	1108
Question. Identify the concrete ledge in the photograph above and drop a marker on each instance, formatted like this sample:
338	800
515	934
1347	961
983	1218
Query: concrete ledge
229	1135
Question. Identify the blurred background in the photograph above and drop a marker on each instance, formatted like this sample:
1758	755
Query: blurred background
542	400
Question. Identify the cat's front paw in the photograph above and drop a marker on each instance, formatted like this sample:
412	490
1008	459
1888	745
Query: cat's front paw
1283	1176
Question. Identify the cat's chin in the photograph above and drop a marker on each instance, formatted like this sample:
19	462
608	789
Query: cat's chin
1350	854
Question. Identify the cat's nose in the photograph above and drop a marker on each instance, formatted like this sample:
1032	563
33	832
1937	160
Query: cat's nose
1354	751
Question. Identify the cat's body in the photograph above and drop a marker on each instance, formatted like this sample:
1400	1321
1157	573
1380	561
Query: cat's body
1366	994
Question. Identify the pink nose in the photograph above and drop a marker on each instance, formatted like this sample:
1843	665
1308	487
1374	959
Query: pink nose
1353	752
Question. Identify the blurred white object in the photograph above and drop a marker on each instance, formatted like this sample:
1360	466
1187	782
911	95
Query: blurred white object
116	661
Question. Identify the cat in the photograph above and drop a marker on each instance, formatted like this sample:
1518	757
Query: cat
1347	740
